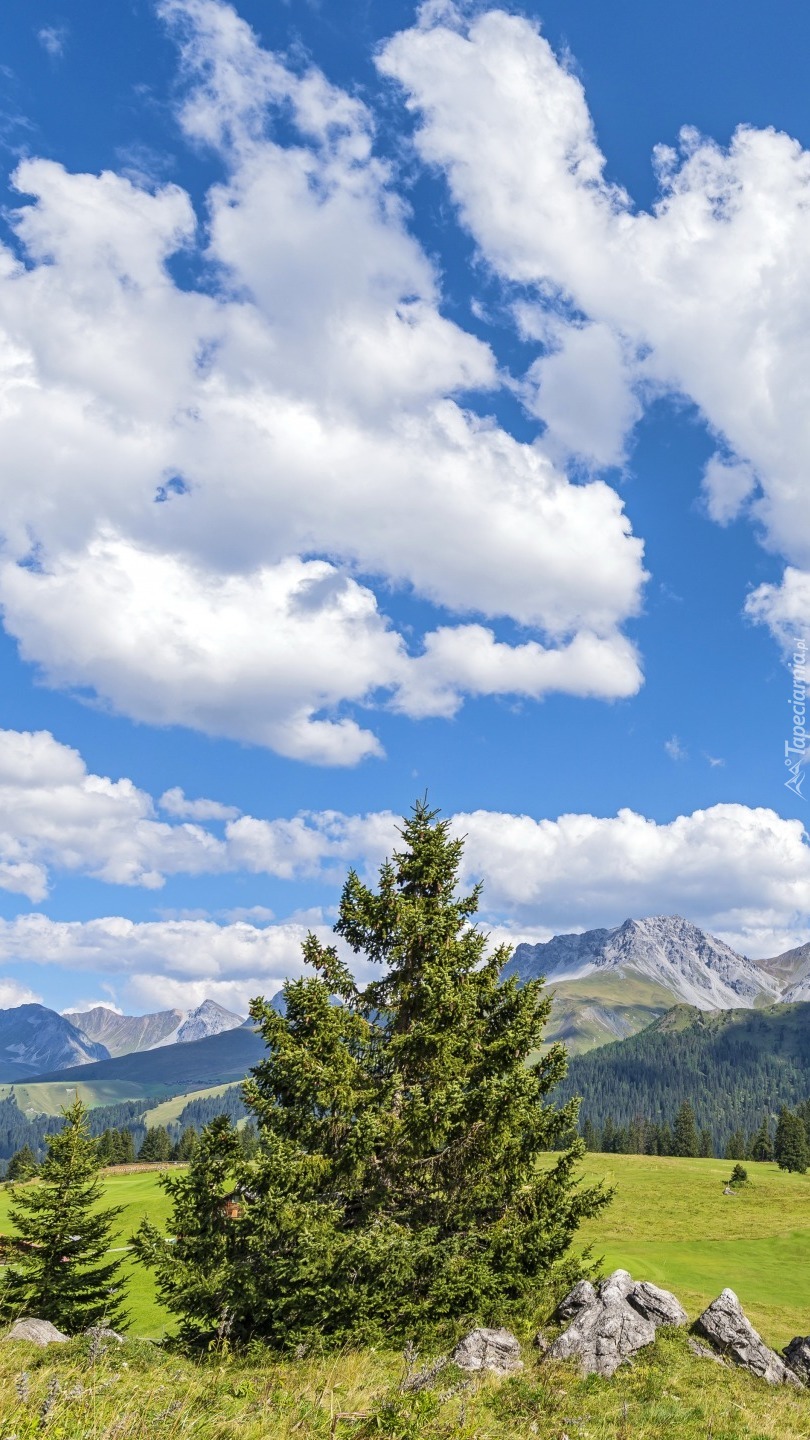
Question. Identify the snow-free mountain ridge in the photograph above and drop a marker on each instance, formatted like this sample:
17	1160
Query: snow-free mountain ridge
34	1038
695	968
127	1034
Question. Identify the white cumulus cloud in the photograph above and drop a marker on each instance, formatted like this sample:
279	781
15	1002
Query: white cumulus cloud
204	445
707	295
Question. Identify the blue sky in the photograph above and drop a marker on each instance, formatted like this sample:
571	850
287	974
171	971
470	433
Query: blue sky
378	417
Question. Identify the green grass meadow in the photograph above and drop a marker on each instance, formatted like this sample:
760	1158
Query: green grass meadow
669	1223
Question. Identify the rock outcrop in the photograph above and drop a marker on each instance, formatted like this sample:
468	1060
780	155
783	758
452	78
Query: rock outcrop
101	1335
36	1332
725	1324
496	1350
610	1324
582	1294
658	1306
797	1355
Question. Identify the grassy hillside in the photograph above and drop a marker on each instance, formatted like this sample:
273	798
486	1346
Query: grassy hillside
50	1097
138	1392
734	1066
669	1223
603	1007
173	1068
168	1111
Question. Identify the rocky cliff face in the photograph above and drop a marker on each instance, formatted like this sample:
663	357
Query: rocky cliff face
127	1034
34	1039
691	966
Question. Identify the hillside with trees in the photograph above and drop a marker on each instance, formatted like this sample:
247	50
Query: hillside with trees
733	1067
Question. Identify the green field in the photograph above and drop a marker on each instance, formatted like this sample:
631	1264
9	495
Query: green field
669	1222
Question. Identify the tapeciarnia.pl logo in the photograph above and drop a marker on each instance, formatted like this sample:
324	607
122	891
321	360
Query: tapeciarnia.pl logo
796	751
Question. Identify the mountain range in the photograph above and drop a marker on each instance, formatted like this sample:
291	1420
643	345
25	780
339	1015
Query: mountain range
605	985
125	1034
35	1040
610	983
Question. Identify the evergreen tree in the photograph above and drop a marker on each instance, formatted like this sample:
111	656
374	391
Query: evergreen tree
685	1135
761	1147
705	1147
609	1136
126	1148
665	1141
736	1148
156	1146
590	1137
58	1270
790	1146
248	1140
403	1180
22	1165
187	1145
116	1147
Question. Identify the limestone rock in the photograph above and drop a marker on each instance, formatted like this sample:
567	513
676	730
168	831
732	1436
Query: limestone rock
582	1294
100	1333
37	1332
607	1332
658	1306
797	1355
496	1350
726	1326
616	1287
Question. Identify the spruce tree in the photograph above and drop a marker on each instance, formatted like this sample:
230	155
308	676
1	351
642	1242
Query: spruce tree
187	1145
761	1147
736	1147
705	1146
685	1136
22	1165
411	1174
58	1270
790	1146
156	1146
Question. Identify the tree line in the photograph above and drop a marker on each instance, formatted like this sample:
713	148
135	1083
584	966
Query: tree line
732	1066
788	1143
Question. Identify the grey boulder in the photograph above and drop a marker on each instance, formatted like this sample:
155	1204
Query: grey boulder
797	1354
606	1332
577	1299
616	1287
658	1306
37	1332
496	1350
727	1327
100	1333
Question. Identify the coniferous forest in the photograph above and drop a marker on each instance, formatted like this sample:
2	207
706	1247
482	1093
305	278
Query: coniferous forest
733	1067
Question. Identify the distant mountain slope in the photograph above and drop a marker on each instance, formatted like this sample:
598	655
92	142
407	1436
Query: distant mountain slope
130	1034
733	1065
791	971
126	1034
34	1038
169	1069
608	983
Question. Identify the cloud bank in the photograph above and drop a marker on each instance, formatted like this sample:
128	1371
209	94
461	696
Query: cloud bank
273	451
